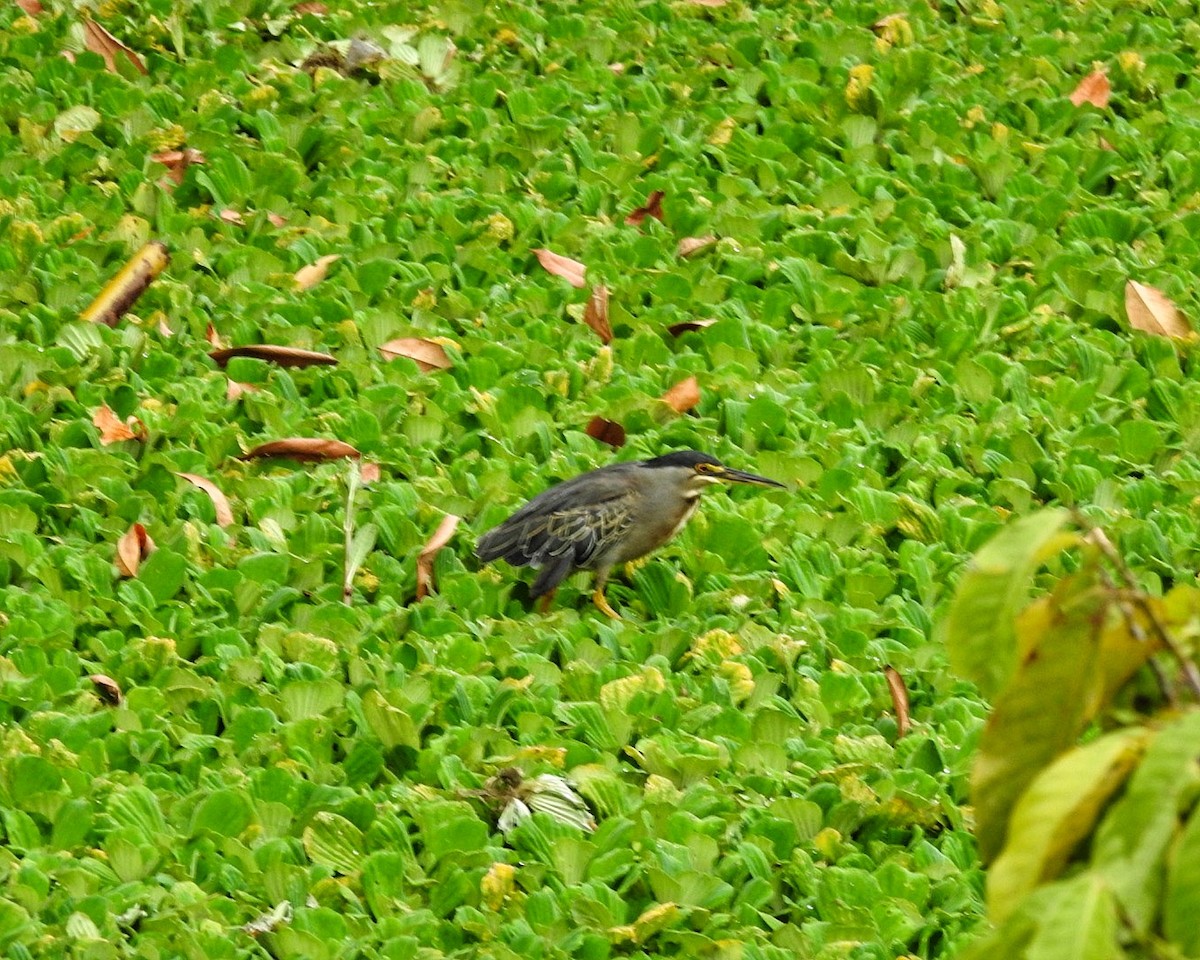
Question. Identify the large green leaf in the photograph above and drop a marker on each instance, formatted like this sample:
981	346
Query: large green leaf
1181	902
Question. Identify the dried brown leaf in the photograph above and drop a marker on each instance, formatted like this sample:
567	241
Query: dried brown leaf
606	431
276	220
213	338
428	354
1094	89
177	161
122	291
304	449
653	208
220	503
107	689
440	538
595	314
570	270
232	216
315	7
115	430
684	326
309	276
899	694
272	353
370	473
134	546
690	246
234	389
31	7
683	396
100	41
1151	311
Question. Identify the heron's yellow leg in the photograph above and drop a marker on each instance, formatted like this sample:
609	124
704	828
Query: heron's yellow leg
601	603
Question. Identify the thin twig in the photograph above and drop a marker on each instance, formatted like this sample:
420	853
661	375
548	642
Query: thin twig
1191	675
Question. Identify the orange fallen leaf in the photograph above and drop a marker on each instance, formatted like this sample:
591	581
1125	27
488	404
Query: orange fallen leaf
113	429
309	276
1094	89
107	689
899	694
1151	311
595	314
100	41
234	389
570	270
134	546
370	473
683	396
441	536
606	431
177	161
304	449
652	208
428	354
684	326
220	502
272	353
122	291
31	7
690	246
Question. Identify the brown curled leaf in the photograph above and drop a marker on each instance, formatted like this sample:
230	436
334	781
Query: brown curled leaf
683	396
595	314
308	277
134	546
570	270
220	502
115	430
899	694
606	431
100	41
690	246
652	208
441	537
107	689
1152	311
1094	89
304	449
122	291
31	8
428	354
284	356
684	326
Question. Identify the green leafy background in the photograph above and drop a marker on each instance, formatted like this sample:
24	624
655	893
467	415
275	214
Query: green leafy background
734	734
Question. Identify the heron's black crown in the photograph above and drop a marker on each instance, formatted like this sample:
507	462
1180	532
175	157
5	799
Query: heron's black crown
682	458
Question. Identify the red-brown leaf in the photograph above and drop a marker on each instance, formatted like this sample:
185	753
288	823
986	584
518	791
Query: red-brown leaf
220	502
606	431
684	326
304	449
100	41
1094	89
653	208
113	429
107	689
683	396
134	546
690	246
440	538
570	270
1152	311
315	7
899	694
428	354
284	356
177	161
31	7
595	314
213	338
308	277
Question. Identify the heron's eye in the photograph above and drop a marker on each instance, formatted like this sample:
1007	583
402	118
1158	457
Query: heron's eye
704	468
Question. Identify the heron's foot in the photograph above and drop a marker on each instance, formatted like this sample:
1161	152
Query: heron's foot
601	603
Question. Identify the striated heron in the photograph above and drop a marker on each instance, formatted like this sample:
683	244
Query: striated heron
607	516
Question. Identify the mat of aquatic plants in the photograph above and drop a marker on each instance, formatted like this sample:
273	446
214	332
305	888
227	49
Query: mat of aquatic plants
929	264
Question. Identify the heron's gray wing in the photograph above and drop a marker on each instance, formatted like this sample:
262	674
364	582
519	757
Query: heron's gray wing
565	527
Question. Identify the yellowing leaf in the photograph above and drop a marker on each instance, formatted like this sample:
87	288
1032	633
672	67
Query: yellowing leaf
122	291
428	354
1151	311
309	276
570	270
1094	89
